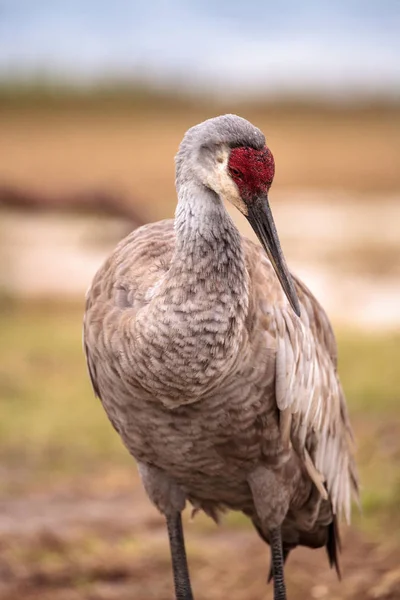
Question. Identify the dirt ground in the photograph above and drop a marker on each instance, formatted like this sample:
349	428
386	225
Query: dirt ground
102	540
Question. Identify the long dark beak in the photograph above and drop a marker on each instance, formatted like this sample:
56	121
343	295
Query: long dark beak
260	218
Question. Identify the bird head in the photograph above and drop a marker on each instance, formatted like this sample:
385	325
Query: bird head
229	155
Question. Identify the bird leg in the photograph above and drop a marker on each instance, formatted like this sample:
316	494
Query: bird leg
183	590
285	552
271	496
170	500
277	564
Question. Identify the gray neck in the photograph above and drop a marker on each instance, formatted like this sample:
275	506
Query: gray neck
197	315
207	242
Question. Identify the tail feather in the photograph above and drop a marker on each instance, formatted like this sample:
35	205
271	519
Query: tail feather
334	546
331	538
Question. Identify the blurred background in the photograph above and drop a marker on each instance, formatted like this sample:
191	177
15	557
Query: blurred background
95	97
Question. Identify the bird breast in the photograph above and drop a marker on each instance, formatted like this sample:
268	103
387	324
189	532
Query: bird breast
187	340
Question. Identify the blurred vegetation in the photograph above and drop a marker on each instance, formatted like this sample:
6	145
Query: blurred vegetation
50	421
52	427
50	94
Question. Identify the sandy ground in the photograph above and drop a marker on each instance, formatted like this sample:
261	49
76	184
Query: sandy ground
347	252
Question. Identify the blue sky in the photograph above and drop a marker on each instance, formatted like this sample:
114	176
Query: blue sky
330	47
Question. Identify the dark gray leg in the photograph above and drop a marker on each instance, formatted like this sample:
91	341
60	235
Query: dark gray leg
277	564
285	553
183	590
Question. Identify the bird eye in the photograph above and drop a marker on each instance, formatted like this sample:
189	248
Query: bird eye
236	172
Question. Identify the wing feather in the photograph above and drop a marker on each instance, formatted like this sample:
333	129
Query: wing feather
123	284
308	385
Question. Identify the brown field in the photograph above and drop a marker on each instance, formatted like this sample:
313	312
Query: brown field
132	150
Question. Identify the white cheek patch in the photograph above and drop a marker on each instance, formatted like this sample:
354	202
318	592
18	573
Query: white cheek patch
220	181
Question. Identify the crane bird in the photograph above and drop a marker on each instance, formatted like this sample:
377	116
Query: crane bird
217	367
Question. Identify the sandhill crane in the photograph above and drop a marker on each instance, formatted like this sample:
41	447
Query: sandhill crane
216	366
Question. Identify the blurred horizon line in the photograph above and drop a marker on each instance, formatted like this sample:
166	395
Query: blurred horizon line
47	90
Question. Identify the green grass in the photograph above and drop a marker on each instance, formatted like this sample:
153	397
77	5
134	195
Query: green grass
51	424
369	369
49	417
47	93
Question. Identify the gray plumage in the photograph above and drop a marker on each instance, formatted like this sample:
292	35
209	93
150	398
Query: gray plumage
222	394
